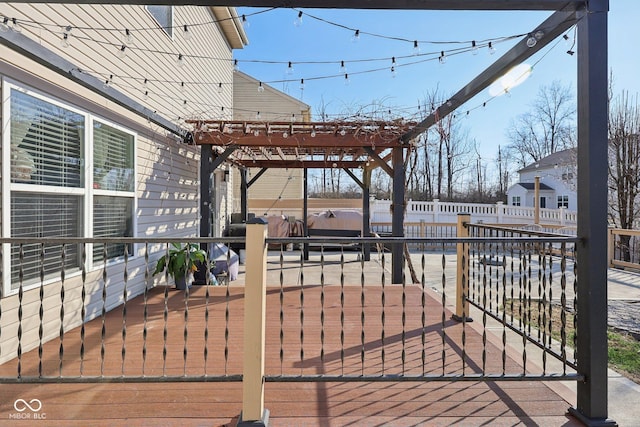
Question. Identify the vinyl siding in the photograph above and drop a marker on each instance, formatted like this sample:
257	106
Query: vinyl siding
273	105
167	186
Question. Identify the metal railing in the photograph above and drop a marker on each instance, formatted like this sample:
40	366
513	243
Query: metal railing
332	316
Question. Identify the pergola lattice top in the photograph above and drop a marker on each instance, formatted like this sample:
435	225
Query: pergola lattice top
345	144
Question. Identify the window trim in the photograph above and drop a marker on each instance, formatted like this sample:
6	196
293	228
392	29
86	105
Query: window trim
87	192
167	30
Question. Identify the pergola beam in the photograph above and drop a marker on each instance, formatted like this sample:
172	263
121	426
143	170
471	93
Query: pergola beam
358	4
297	141
305	164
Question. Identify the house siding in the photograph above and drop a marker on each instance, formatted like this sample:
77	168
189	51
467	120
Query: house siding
273	105
167	186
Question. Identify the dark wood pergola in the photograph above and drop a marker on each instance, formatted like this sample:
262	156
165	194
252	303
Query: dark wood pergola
347	145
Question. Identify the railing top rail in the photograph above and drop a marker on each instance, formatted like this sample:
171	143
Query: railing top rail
513	230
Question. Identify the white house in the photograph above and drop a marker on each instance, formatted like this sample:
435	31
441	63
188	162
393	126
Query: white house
557	182
93	104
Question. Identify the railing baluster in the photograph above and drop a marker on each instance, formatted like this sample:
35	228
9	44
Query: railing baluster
423	314
145	307
185	330
342	311
165	316
504	309
301	278
103	331
20	297
484	306
443	319
227	297
125	278
563	307
362	316
41	311
62	290
282	308
322	304
382	314
83	308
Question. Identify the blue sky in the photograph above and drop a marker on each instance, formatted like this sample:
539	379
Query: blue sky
274	37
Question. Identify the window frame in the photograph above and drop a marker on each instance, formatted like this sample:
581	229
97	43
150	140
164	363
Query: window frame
167	29
563	201
514	199
86	192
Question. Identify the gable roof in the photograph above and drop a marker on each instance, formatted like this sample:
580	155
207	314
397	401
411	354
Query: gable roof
558	158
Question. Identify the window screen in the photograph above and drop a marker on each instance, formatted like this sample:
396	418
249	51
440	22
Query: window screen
112	217
112	158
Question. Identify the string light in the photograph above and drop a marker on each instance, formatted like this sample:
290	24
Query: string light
180	60
474	48
290	68
260	87
64	42
346	80
236	67
4	25
182	85
128	37
245	22
219	87
343	68
356	36
442	59
186	34
258	116
109	81
298	21
16	27
122	52
416	48
301	84
393	72
492	49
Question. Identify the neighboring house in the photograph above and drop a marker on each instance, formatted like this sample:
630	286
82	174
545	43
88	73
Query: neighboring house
273	106
80	159
557	177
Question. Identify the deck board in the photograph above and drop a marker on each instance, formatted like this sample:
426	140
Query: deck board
300	404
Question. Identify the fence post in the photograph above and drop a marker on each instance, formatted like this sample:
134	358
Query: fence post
610	247
255	293
500	211
462	276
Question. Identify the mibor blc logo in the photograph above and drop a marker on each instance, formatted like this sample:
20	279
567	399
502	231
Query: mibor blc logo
27	410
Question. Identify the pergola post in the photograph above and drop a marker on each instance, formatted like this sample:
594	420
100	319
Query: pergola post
592	358
305	213
366	211
206	170
397	224
244	189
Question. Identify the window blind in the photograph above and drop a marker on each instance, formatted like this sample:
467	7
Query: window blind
112	217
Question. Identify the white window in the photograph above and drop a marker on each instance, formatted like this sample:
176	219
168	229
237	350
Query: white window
52	192
515	201
164	16
563	202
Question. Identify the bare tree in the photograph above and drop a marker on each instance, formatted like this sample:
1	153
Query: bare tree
624	164
547	128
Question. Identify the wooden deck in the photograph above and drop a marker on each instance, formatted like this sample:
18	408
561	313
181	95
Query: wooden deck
311	353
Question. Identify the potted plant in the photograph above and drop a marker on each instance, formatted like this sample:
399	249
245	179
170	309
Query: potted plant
181	262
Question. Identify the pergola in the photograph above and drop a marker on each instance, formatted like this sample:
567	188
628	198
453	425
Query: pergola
347	145
590	18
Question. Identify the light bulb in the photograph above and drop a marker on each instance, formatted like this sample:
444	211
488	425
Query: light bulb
182	85
145	83
531	41
260	87
108	81
343	132
290	68
146	95
346	79
128	37
298	21
64	42
285	134
356	37
313	133
122	52
186	33
293	118
443	58
393	72
256	132
236	66
4	25
16	27
492	49
245	23
180	60
343	69
258	116
301	84
219	87
474	47
416	47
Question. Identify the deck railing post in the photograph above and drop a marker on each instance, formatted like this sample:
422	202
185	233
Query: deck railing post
255	293
462	276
